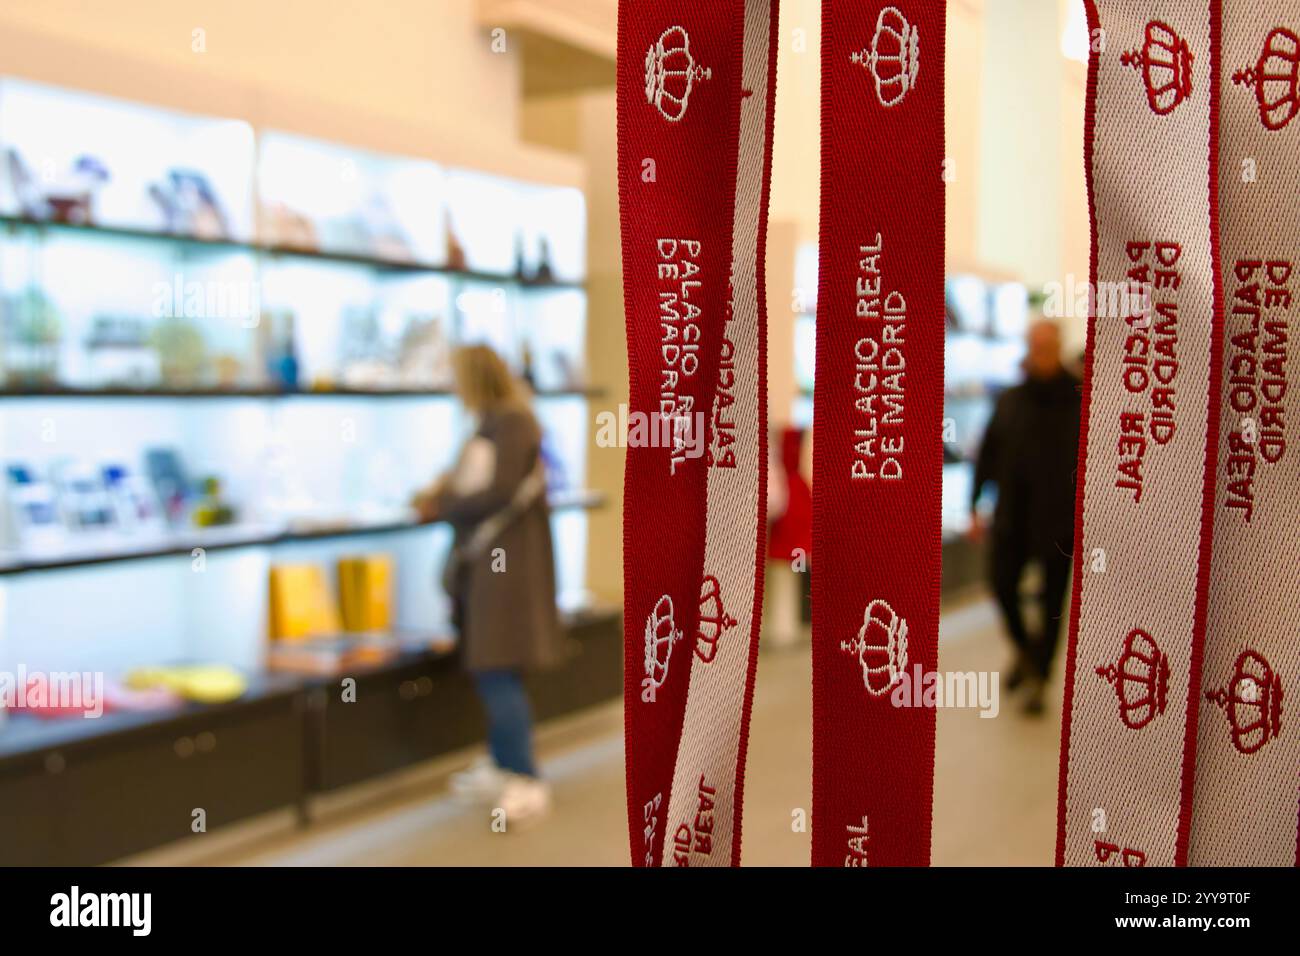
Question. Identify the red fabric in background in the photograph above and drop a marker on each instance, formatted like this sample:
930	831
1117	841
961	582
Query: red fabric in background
792	531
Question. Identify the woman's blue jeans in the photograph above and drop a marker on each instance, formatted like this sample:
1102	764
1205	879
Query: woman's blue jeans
509	719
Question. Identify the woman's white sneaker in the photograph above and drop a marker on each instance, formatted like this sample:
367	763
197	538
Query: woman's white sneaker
525	800
483	782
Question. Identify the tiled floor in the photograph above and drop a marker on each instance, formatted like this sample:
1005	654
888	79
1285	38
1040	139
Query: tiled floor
995	799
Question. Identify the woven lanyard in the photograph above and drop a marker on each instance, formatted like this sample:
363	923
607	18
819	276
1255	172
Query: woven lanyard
877	453
695	92
1144	520
1248	756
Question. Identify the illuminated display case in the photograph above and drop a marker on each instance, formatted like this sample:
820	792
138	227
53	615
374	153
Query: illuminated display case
225	349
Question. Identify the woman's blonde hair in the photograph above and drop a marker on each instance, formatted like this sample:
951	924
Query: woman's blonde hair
484	382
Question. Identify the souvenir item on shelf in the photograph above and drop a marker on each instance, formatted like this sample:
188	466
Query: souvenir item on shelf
189	206
301	605
381	235
521	268
120	352
211	510
282	370
557	476
263	346
67	197
455	251
33	520
31	200
361	337
29	340
544	273
567	372
182	353
1148	441
119	698
71	197
84	502
134	504
877	430
424	354
200	683
364	360
526	371
696	86
170	483
229	372
366	592
286	227
325	656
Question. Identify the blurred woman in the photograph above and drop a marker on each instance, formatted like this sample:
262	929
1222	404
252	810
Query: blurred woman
500	575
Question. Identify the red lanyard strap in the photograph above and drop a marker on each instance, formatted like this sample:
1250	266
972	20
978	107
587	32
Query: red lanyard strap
877	428
1248	752
695	93
1144	520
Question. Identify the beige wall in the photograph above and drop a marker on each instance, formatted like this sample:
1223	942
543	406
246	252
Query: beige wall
411	76
403	59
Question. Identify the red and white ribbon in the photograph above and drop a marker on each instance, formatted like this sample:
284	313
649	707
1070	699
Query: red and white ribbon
1145	516
877	453
1248	753
695	92
708	781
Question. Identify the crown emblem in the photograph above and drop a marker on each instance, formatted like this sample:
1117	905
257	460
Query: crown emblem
894	57
1274	78
1252	702
1128	855
714	620
881	647
661	633
1140	678
671	72
1165	62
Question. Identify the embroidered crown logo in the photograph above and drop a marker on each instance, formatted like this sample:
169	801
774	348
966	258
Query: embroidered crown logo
714	620
1252	702
1140	678
1165	62
881	648
671	72
1274	79
661	634
894	57
1128	856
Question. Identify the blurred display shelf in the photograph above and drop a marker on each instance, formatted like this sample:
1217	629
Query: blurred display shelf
22	734
84	792
272	249
230	537
57	391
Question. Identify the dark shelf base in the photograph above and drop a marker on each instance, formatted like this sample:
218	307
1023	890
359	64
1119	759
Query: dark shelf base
76	797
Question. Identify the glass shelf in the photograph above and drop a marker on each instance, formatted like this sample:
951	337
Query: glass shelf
180	543
271	249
